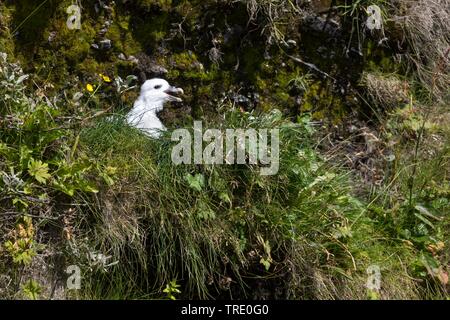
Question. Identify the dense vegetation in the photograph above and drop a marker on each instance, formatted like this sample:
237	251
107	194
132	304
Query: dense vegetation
364	150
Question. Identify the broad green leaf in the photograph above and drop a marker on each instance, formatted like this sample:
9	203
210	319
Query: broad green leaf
425	212
38	170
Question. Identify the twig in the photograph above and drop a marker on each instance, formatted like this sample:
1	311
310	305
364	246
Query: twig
311	66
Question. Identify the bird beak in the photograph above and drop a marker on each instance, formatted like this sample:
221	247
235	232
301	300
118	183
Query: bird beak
176	91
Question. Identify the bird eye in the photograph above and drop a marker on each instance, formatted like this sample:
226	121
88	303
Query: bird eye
157	87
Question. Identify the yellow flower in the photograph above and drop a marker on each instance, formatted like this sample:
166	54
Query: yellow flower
89	87
105	78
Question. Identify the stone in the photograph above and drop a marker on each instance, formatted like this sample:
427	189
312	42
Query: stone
105	44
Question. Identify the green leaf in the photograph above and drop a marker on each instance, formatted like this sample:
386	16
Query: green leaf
67	189
3	148
207	214
20	201
373	295
265	263
24	156
427	213
225	197
424	220
38	170
32	289
196	182
172	288
109	181
89	188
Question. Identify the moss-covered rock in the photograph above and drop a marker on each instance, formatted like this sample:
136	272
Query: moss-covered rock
210	48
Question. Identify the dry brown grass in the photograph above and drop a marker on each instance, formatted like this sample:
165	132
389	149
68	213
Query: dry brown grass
278	16
426	28
386	90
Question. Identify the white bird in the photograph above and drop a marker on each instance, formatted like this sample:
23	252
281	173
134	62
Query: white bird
154	93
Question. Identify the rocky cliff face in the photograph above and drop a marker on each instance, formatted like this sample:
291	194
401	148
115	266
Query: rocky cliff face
258	54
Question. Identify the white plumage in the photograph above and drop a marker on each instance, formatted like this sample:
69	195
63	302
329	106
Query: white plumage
154	93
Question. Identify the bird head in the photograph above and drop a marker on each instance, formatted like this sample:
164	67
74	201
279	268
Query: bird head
159	91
